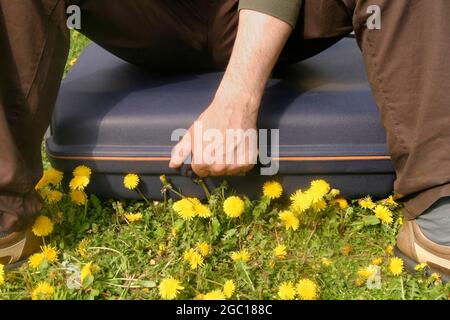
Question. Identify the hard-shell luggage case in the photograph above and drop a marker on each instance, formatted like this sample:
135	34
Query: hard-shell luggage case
117	118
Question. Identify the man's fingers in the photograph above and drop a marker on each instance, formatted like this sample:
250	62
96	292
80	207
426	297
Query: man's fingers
180	152
200	170
218	170
239	170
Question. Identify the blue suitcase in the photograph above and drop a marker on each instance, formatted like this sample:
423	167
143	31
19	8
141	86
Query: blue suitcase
117	118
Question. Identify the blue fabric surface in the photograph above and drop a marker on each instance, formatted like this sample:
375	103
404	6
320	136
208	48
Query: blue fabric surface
322	106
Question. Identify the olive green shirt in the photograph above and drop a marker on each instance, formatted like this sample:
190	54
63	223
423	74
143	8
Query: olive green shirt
286	10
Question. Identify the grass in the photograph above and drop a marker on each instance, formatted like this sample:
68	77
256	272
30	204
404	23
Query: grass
131	258
77	44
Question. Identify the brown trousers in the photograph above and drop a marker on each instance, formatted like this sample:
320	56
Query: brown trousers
407	63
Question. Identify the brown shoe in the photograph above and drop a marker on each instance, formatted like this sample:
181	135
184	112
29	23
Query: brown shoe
413	248
17	247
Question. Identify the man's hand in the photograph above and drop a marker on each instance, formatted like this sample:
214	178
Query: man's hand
225	115
259	42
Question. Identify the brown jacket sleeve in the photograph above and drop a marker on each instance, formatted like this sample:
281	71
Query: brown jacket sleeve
286	10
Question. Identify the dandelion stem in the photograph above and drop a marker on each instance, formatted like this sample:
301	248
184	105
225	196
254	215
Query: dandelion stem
123	286
171	216
175	191
143	196
165	199
307	243
212	281
127	288
167	264
403	288
107	249
198	278
188	230
248	276
85	210
204	187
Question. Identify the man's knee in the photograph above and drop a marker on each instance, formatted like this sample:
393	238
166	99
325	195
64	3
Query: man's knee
14	179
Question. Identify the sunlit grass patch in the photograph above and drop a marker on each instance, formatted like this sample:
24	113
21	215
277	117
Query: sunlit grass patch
240	249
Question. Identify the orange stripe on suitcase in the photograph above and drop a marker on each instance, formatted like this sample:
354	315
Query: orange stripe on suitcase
343	158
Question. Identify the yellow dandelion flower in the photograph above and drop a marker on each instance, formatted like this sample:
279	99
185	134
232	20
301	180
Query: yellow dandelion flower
367	272
163	179
366	203
60	216
280	251
420	266
49	253
169	288
272	189
318	190
185	209
82	171
200	209
203	211
83	247
199	296
43	193
342	203
194	259
131	181
174	231
191	207
383	213
35	260
301	201
391	201
88	270
72	62
188	254
346	250
78	197
395	266
359	282
43	291
134	217
161	249
286	291
240	256
53	196
214	295
319	206
389	250
2	274
228	289
289	220
326	262
307	289
233	207
203	248
43	226
79	183
43	182
377	261
334	192
435	276
53	176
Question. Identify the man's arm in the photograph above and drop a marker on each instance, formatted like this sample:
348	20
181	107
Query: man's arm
259	42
